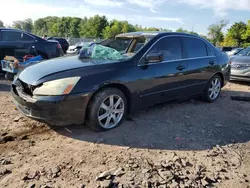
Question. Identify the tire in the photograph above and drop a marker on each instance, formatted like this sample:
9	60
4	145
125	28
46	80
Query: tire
215	84
101	111
9	76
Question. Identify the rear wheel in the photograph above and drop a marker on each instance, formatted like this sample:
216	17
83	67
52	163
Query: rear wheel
107	110
9	76
213	89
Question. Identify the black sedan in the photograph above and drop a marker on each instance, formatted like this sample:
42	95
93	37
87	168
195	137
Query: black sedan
151	68
62	41
19	43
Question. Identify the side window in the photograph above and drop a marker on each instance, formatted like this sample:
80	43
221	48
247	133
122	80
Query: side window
209	51
194	48
27	38
11	36
169	47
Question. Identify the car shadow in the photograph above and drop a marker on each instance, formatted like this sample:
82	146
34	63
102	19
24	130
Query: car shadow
186	125
240	82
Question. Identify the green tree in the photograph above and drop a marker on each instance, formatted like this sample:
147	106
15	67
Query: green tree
236	32
181	30
152	29
205	37
17	24
64	26
215	32
40	27
116	27
47	26
1	24
25	25
94	27
74	27
246	35
228	41
193	33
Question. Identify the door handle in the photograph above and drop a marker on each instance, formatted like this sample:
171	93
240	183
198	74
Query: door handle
180	67
211	62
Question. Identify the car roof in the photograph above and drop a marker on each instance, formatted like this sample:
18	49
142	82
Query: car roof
150	34
11	29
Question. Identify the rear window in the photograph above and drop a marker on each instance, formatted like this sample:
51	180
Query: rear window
194	48
226	49
61	40
27	37
11	36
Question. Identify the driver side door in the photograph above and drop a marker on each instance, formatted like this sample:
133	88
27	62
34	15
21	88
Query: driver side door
163	80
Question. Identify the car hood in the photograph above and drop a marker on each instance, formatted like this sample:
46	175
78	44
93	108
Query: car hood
32	74
240	59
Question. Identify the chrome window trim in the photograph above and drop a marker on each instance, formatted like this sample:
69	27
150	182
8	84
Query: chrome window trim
163	37
177	60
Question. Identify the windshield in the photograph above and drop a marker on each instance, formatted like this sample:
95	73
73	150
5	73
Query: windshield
113	49
245	52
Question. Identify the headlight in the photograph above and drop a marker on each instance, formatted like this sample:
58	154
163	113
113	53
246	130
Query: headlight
57	87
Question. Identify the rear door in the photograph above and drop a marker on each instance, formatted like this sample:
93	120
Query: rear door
201	62
27	43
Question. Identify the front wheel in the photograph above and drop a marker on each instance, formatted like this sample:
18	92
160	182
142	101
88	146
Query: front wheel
213	89
107	110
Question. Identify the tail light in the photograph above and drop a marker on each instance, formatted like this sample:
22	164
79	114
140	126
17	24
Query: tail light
59	46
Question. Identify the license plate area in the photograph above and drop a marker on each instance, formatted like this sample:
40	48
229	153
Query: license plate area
23	109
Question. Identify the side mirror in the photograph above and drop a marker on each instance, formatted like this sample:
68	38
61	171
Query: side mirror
154	58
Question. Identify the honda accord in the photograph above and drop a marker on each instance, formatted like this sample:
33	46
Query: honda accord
137	71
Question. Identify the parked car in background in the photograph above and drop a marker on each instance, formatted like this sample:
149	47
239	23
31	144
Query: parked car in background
234	51
74	49
241	65
63	42
103	91
227	49
19	43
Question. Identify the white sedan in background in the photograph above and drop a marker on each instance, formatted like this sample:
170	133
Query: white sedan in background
234	51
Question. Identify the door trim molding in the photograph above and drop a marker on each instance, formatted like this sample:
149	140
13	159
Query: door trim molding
153	93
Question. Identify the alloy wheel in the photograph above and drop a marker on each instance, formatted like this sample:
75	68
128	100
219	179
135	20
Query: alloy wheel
111	111
214	89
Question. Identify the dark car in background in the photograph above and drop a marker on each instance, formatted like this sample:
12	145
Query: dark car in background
62	41
226	48
152	68
19	43
241	66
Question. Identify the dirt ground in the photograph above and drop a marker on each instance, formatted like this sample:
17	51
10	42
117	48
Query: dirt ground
179	144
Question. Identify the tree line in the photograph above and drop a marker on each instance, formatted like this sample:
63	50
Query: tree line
92	27
99	27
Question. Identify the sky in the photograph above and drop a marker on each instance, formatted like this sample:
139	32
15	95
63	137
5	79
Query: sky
193	15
